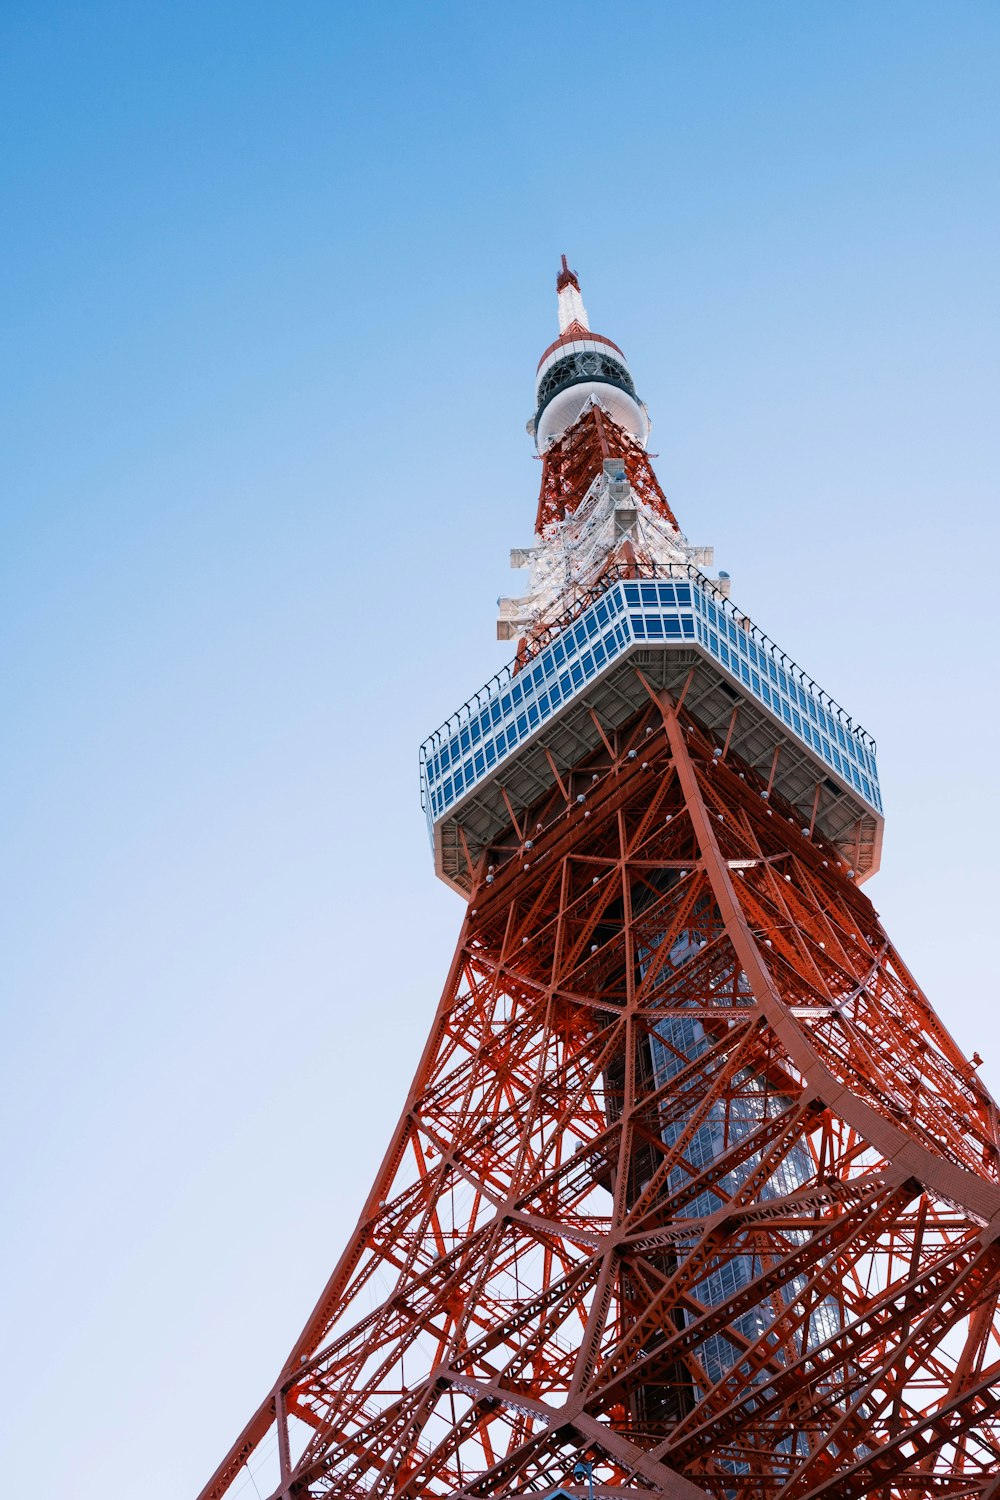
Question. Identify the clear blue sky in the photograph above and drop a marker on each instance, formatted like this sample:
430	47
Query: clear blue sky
274	279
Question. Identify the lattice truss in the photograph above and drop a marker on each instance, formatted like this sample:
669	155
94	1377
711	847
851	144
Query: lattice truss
690	1178
601	512
600	506
571	461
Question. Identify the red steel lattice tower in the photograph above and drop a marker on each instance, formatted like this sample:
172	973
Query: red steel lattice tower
691	1184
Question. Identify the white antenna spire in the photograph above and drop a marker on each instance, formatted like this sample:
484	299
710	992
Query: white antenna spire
571	308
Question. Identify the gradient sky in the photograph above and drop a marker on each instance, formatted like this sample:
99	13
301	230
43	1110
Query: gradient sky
274	280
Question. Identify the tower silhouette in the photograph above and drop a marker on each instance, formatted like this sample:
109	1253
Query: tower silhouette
692	1191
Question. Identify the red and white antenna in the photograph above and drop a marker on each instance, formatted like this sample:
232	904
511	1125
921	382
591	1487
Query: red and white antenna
582	367
571	308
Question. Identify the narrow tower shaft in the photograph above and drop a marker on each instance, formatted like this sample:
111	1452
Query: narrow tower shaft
571	308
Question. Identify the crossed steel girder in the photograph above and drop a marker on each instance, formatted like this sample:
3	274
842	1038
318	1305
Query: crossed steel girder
690	1178
570	464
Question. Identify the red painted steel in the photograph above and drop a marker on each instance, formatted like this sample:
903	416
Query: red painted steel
690	1180
528	1278
571	462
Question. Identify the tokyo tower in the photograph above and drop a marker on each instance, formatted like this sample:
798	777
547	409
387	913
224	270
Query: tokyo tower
693	1194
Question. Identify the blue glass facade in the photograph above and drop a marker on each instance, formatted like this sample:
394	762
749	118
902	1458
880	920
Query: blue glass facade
685	610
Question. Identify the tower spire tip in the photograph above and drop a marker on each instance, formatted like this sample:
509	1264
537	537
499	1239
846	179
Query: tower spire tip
566	277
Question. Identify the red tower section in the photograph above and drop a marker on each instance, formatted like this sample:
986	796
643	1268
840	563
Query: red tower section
691	1184
573	461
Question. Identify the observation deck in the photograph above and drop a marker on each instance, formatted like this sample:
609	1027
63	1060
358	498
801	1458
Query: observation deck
670	626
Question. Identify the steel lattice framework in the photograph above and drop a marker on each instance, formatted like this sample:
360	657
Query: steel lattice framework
690	1179
569	465
555	1254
